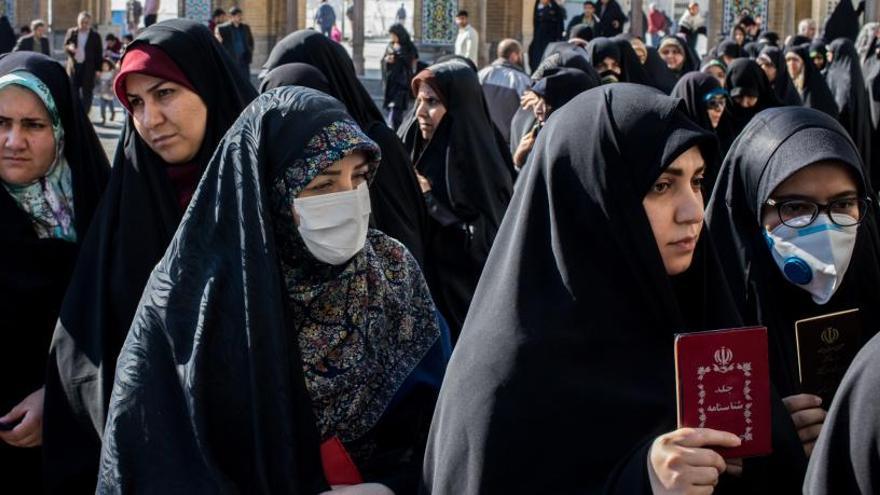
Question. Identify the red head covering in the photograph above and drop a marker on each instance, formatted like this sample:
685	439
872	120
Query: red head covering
152	61
427	77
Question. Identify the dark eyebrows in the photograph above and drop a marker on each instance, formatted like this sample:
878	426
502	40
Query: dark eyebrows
327	170
678	172
802	197
149	90
27	120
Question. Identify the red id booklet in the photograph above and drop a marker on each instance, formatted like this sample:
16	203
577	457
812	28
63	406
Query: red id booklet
723	382
339	468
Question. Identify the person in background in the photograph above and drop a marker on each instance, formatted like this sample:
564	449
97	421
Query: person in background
504	82
467	41
238	41
105	90
7	35
36	41
588	18
819	54
127	39
217	17
401	14
24	31
807	28
112	48
133	12
84	50
612	17
325	17
657	26
398	69
151	12
692	24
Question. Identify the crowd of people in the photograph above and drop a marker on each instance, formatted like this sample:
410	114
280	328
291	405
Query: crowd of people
288	290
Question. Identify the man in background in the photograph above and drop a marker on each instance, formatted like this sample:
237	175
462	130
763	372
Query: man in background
36	41
84	54
467	41
504	82
325	18
238	41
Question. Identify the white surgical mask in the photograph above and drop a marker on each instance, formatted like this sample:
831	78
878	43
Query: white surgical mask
334	226
815	257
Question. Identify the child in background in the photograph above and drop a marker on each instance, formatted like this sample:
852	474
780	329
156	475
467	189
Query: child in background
105	90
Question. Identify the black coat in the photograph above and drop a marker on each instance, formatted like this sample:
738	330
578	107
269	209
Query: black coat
847	84
564	371
815	93
227	34
35	272
26	44
132	227
549	25
94	52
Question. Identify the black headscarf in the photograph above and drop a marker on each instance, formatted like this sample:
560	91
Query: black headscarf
818	47
131	230
782	85
660	76
296	74
746	76
35	271
470	177
842	23
582	32
730	48
693	89
7	35
559	86
398	209
775	145
846	455
752	49
815	93
609	12
397	76
619	49
691	61
548	26
847	84
580	354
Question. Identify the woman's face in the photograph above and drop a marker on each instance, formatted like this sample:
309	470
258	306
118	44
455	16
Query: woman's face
608	64
716	72
820	183
674	206
26	137
169	117
769	69
795	65
673	56
394	39
429	111
344	175
745	101
715	109
819	61
739	36
541	110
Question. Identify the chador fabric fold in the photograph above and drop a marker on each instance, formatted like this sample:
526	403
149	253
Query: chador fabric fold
811	83
132	227
745	78
782	85
470	180
37	262
398	209
580	353
847	84
240	324
777	144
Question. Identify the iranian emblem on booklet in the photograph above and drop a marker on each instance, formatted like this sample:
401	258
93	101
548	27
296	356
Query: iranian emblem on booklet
723	383
826	345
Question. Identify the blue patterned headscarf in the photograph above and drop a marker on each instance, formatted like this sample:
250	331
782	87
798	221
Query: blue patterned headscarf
361	327
49	199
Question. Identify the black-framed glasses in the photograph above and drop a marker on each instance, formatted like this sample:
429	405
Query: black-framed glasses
799	213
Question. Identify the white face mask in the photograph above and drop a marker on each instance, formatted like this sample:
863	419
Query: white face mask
815	257
334	226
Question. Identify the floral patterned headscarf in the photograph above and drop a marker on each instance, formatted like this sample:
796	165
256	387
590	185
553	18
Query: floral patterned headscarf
49	199
361	327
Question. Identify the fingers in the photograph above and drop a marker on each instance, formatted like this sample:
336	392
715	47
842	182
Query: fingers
800	402
810	433
702	437
808	417
734	467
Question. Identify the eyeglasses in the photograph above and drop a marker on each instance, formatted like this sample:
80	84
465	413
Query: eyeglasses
718	103
799	213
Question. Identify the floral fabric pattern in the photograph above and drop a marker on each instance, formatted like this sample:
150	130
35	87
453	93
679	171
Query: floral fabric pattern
49	199
361	327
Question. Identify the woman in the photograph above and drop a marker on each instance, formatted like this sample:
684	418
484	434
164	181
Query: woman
615	61
750	91
819	54
549	25
739	35
772	62
847	84
809	81
53	170
310	344
554	90
678	56
7	35
727	51
182	93
464	178
765	219
398	209
569	381
716	69
398	68
706	103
